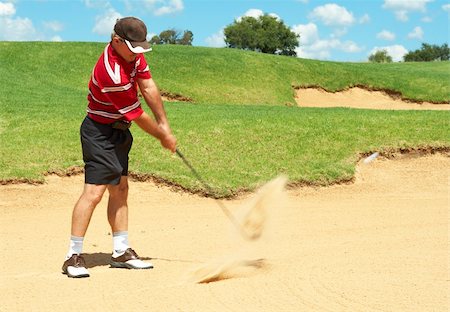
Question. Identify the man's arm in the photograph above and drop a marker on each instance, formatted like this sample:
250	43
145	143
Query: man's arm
152	97
159	129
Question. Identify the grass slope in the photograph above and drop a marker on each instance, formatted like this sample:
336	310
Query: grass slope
242	77
43	88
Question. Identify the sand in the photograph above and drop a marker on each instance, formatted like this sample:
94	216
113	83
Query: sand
379	244
359	98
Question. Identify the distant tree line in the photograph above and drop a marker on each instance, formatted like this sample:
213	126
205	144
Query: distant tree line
427	53
172	36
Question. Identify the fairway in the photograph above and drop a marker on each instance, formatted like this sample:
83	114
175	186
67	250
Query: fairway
379	244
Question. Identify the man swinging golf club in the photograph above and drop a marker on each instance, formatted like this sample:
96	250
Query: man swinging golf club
106	140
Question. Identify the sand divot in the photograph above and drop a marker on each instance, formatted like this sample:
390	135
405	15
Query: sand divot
247	256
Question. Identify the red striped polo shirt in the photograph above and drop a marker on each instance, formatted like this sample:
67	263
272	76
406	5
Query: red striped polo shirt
113	87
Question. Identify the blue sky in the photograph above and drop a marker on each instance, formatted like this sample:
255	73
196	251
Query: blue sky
347	30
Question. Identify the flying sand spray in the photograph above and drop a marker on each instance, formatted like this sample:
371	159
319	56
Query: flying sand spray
250	225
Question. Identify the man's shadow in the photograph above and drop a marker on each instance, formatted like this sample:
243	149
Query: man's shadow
101	259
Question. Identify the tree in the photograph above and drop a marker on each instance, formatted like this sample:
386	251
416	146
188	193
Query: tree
155	40
171	36
264	34
428	53
187	38
380	56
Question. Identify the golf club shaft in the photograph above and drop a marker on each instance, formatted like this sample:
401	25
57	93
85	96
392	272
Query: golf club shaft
209	189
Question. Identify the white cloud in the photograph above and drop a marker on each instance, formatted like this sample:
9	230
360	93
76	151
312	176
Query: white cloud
56	39
54	26
313	47
308	33
164	7
386	35
446	8
426	19
333	14
402	8
7	9
15	28
402	15
216	40
104	24
256	13
417	33
364	19
339	32
98	4
395	51
349	47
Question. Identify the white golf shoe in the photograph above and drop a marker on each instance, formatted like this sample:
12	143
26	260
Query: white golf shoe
129	260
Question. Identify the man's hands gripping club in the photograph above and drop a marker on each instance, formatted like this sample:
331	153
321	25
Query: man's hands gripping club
160	131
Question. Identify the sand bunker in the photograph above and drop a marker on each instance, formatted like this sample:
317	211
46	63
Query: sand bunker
380	244
359	98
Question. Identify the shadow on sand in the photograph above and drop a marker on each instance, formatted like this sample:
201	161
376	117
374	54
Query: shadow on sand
101	259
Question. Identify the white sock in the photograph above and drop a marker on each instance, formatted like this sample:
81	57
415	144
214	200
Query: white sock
120	240
75	247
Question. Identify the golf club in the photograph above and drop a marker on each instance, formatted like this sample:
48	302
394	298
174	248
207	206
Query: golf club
221	205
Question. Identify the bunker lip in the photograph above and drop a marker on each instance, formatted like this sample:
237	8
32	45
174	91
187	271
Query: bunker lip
389	153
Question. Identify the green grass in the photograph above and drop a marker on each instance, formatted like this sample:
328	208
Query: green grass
238	147
238	134
217	76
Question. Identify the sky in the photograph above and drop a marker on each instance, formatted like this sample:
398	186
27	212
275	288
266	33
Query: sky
347	30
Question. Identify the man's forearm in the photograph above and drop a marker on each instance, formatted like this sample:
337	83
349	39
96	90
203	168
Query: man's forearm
159	131
146	123
152	97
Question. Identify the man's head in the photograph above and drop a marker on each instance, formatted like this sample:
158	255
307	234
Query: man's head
130	32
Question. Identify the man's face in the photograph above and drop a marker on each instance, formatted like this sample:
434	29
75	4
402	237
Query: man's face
123	50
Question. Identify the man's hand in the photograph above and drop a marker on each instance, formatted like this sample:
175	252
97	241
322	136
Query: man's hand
161	131
169	141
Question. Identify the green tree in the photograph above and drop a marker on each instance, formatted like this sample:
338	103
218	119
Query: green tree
428	53
380	56
264	34
155	40
172	36
187	38
169	36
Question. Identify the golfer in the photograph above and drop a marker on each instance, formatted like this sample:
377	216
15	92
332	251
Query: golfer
106	140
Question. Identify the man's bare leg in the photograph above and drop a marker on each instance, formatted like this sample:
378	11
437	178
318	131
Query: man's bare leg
118	206
123	256
84	208
74	266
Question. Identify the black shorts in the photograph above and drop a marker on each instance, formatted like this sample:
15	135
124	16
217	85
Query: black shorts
105	152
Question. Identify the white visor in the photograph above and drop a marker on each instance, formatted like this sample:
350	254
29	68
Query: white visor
137	49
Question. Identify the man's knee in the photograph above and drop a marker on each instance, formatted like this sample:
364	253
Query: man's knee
120	190
94	194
